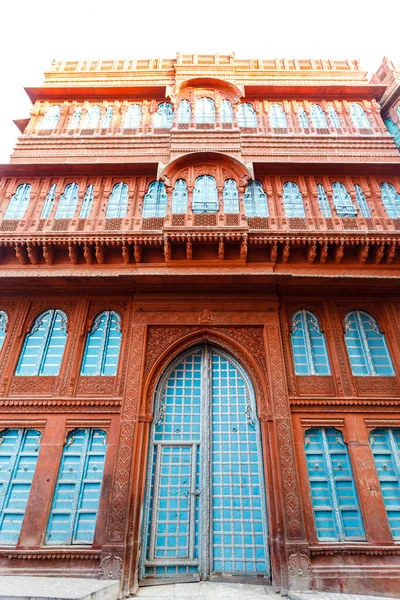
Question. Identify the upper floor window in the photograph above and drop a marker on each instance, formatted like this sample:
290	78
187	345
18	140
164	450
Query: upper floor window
308	344
226	112
51	117
87	203
68	201
362	202
19	202
92	117
334	496
293	200
342	201
318	117
118	201
76	118
255	200
180	197
3	327
303	119
231	197
76	498
246	115
205	195
184	112
205	110
334	117
43	347
102	347
107	118
394	130
133	117
358	116
48	203
366	345
323	201
277	117
155	201
391	200
164	117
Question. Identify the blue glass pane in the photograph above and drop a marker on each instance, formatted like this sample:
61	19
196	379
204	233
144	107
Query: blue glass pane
76	497
226	112
246	116
205	195
385	445
19	450
308	345
68	202
303	119
255	200
51	118
43	348
102	347
205	111
76	118
92	118
342	200
118	201
277	117
358	116
323	201
231	197
107	118
87	203
391	200
164	117
19	202
48	204
155	201
184	112
366	345
362	202
3	327
133	117
318	117
293	200
334	118
180	197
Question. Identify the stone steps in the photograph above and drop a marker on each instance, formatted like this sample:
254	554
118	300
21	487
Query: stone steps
57	588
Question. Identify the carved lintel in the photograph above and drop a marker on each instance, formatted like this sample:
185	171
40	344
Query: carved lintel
189	250
391	254
33	254
380	251
274	253
126	258
48	254
311	254
137	252
363	254
205	316
73	253
323	254
20	253
286	252
100	253
87	253
339	252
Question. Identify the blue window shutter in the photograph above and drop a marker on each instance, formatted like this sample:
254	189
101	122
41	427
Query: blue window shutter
308	343
277	117
107	118
226	112
164	117
334	118
394	130
293	200
43	347
318	117
87	203
358	116
155	201
205	111
68	201
342	200
76	497
255	200
362	202
3	327
133	117
48	204
323	201
385	445
231	197
19	202
51	118
19	450
303	119
205	195
118	201
246	115
366	345
333	493
92	117
184	112
180	197
102	347
391	200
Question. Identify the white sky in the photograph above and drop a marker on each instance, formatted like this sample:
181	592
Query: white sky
32	33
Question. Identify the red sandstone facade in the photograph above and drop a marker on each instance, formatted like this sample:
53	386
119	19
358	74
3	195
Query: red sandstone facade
183	279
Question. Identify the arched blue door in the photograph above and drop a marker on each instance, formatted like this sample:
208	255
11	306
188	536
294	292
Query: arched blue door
205	515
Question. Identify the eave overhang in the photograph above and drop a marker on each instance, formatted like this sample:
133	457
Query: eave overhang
319	89
90	92
65	168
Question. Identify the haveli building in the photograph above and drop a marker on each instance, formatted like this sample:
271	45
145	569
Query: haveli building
200	324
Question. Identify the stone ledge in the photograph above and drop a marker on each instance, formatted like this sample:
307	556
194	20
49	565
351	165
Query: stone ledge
57	588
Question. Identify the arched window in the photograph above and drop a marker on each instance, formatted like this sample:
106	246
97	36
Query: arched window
391	200
334	117
44	345
318	117
184	112
205	110
366	345
334	498
179	197
68	201
277	117
76	118
205	195
385	446
303	119
73	514
362	202
246	115
48	203
19	451
118	201
226	112
292	200
51	118
133	117
19	202
358	116
255	200
323	201
107	118
102	347
394	130
155	201
342	201
308	343
87	203
231	197
164	117
92	117
3	327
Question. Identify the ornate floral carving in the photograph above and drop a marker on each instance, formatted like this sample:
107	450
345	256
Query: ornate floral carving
96	385
299	570
111	563
30	386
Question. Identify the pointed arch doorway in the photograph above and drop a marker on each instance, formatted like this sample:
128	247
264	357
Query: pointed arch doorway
205	512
